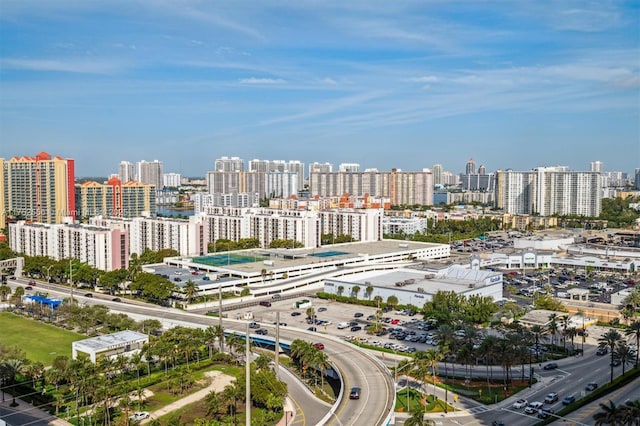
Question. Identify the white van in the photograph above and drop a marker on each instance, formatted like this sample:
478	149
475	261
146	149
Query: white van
342	325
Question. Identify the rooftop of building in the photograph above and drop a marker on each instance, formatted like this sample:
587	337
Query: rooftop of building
452	278
109	341
255	260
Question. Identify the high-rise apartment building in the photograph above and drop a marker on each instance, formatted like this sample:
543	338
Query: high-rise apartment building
320	168
349	167
281	184
150	173
436	170
401	187
597	166
470	167
267	166
39	189
228	182
637	179
549	190
115	199
172	180
125	171
103	248
226	164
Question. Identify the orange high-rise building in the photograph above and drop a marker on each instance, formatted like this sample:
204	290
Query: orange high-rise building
38	189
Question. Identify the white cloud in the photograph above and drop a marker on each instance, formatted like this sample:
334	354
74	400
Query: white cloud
254	80
424	79
81	66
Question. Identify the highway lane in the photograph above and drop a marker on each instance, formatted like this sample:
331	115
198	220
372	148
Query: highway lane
356	367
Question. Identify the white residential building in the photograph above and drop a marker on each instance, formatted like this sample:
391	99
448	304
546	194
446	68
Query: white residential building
187	237
281	184
125	171
392	225
173	180
150	173
226	164
103	248
234	199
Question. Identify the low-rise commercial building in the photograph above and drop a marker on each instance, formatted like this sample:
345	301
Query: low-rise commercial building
123	343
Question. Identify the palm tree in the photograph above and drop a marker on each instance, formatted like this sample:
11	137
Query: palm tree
190	290
610	414
210	336
5	291
631	413
634	331
355	290
135	267
565	322
571	333
417	419
624	354
553	327
368	291
610	340
340	290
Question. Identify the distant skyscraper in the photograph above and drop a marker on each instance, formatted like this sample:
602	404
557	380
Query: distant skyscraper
596	166
39	189
281	184
482	170
471	167
637	179
320	168
172	179
437	174
150	173
549	190
125	172
349	167
226	164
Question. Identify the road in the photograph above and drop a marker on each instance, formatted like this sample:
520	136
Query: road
357	367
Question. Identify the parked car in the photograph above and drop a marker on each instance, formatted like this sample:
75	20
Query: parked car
569	400
591	386
139	416
355	393
521	403
312	329
296	314
551	397
358	315
550	366
322	309
356	328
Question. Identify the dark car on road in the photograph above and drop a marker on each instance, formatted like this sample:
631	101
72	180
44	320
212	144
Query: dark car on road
591	386
602	351
88	295
568	400
254	325
262	331
116	299
355	393
550	366
544	413
296	313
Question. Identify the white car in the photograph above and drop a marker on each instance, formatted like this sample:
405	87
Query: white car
519	404
139	415
533	407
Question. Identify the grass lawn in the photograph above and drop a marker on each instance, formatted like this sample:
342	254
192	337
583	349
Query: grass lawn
41	342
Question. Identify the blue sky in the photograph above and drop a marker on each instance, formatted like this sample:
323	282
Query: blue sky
405	84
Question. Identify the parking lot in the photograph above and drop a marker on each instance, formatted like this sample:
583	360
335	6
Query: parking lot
404	330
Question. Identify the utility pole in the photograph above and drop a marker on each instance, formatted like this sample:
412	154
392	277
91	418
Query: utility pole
220	316
277	348
248	379
71	279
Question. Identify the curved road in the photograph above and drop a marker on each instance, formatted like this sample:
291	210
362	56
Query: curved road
356	367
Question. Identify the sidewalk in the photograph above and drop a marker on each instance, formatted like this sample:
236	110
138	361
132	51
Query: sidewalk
218	382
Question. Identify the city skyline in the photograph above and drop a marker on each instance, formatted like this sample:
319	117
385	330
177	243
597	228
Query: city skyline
514	86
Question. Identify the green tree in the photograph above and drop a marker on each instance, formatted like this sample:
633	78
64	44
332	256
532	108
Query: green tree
417	419
355	290
368	291
610	340
634	331
190	290
392	301
609	415
5	291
